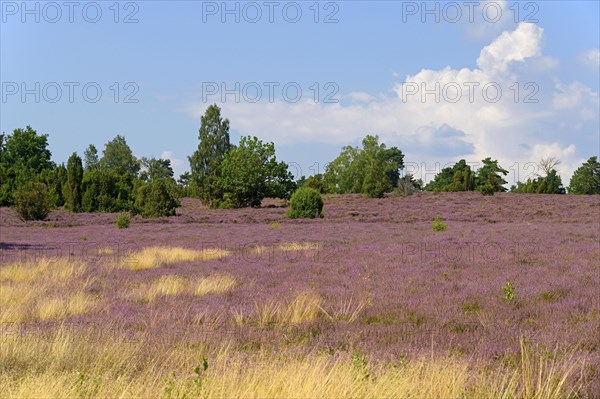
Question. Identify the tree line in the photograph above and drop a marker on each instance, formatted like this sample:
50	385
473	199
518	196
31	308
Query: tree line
225	175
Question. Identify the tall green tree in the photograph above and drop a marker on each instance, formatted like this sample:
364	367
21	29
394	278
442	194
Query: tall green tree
586	179
343	175
73	188
372	170
23	156
90	156
490	176
214	144
251	172
117	155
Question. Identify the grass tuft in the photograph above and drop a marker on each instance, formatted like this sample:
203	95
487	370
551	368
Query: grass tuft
153	257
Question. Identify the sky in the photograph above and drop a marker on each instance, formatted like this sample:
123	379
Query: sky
442	81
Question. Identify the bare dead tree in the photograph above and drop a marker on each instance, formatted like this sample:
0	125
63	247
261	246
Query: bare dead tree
547	164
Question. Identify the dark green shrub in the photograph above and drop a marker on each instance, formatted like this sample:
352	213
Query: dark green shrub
306	203
32	201
155	199
123	220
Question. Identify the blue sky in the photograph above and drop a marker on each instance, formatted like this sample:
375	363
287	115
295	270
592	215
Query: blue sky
375	58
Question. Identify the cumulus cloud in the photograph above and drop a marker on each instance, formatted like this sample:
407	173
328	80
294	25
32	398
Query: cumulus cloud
518	45
509	107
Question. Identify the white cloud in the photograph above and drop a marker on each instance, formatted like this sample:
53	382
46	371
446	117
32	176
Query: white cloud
570	96
518	45
460	111
361	96
591	59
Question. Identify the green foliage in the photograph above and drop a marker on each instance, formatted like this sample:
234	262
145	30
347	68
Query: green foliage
249	173
90	157
305	203
200	372
489	188
155	169
156	199
360	364
586	179
24	155
106	190
509	291
123	219
489	177
25	149
118	156
72	190
459	177
316	182
550	184
205	162
437	224
372	170
32	201
56	181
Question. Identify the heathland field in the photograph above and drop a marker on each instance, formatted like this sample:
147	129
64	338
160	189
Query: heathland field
368	301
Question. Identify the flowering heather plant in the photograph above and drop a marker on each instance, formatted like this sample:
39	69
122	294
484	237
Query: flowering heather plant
314	306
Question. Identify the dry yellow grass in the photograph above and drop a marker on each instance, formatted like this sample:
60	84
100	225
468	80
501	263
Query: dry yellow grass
15	303
303	308
166	286
152	257
49	270
25	305
176	285
39	290
214	284
76	364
